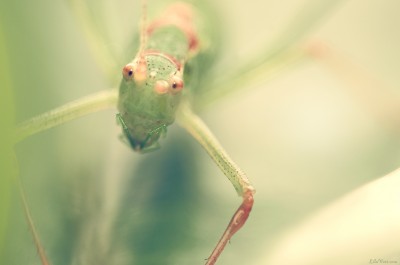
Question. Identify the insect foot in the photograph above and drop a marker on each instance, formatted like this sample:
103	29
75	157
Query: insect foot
237	221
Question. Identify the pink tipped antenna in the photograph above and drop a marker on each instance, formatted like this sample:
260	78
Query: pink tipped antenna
143	27
141	69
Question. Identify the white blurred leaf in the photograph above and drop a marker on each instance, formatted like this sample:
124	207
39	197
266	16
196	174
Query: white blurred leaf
360	228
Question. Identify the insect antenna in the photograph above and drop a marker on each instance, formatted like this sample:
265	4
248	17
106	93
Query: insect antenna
140	72
143	27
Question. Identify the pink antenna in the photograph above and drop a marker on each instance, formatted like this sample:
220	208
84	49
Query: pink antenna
141	69
143	27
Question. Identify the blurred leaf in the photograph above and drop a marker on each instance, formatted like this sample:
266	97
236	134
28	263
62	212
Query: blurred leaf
362	226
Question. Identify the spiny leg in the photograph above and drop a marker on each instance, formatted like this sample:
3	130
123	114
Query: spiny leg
125	129
196	127
162	130
70	111
128	139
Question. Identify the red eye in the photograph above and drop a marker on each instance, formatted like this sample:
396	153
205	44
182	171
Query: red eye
176	84
127	71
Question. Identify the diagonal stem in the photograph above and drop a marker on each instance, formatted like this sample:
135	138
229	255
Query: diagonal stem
267	70
96	40
276	56
35	235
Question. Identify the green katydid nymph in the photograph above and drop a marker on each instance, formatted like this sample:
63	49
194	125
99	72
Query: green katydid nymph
168	78
113	206
151	88
156	88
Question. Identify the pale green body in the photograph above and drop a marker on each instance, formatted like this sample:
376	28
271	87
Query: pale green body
144	114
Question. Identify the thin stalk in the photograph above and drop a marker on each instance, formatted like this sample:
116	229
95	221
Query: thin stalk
97	41
281	53
32	228
263	72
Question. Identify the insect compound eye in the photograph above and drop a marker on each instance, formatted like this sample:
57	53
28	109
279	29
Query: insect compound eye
176	84
127	71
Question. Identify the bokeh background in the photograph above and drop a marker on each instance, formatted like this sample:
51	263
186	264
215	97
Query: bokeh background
305	138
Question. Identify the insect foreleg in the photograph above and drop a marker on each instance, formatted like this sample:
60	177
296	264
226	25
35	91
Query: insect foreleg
162	130
196	127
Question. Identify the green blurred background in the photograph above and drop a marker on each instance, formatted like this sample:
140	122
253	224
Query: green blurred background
304	139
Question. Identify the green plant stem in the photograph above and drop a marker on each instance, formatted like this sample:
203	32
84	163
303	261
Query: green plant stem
263	72
32	228
96	40
276	56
